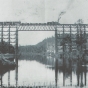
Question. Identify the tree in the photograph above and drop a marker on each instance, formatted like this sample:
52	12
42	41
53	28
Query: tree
6	48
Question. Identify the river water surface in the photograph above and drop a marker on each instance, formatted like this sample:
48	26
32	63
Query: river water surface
35	73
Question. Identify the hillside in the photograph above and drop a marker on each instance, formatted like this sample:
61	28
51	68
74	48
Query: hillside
38	49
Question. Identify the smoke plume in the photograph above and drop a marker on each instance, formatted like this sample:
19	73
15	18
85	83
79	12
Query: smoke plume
63	12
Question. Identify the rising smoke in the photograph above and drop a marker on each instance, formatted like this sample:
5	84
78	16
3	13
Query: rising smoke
63	12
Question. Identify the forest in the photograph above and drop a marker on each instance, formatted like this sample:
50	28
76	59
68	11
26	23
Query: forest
38	49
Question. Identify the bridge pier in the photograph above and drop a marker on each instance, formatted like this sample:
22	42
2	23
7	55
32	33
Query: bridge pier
70	57
1	52
9	52
16	59
56	57
2	39
63	59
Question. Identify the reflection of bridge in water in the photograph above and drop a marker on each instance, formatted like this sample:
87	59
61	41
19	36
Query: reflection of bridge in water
67	37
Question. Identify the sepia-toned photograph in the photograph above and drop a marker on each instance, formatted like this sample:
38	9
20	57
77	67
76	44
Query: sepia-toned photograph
43	43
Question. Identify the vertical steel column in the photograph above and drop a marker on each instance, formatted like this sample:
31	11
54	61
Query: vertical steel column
2	39
16	51
16	58
84	52
56	57
63	59
1	48
85	39
9	53
77	39
81	56
70	57
1	67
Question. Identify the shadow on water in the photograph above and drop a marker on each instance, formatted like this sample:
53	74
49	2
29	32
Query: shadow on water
67	70
4	67
79	72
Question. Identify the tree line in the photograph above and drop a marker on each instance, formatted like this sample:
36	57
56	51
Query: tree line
39	48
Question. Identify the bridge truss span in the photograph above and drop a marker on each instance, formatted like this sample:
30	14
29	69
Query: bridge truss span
48	27
36	28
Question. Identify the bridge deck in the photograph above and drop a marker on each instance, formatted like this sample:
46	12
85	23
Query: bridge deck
50	26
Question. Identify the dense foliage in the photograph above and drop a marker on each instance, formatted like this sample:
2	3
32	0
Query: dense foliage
38	48
6	48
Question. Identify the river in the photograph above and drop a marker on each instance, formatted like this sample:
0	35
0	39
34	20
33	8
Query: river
32	72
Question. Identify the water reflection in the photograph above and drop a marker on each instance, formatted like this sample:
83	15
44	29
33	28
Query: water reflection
39	70
81	73
56	71
4	69
67	69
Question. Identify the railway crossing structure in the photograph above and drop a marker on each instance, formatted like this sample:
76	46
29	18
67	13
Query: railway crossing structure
70	32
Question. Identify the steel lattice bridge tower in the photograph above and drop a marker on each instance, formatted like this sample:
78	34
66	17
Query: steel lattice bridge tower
9	30
9	33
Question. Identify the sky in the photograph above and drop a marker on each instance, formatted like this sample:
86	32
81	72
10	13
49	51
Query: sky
41	11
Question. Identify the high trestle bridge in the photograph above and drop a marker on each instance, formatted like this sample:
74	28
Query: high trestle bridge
9	33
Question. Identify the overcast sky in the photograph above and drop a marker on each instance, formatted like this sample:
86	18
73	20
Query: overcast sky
40	11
